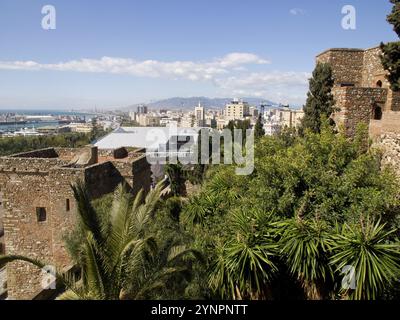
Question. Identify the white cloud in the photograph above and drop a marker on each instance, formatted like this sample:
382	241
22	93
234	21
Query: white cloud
297	12
284	87
228	73
147	68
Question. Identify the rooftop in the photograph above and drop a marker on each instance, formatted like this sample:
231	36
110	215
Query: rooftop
143	137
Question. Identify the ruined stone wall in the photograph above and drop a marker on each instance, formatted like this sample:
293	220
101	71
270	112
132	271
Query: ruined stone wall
141	175
68	154
42	153
347	65
63	214
28	183
137	173
25	235
28	164
102	179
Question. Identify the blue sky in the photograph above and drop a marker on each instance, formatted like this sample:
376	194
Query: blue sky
116	53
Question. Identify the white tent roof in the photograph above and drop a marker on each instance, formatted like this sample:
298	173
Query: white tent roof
143	137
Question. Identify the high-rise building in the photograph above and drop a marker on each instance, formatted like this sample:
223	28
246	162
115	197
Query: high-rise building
142	109
132	115
200	117
237	110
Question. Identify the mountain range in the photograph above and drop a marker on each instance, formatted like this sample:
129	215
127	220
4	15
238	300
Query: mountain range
181	103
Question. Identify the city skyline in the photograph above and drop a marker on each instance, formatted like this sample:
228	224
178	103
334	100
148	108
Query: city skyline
137	52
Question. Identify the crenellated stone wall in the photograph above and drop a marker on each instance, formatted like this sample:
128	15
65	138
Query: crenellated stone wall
37	179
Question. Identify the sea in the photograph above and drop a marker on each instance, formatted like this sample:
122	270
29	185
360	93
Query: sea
38	124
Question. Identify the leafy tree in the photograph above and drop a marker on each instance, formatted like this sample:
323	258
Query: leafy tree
391	51
284	216
177	178
391	63
67	140
258	128
320	102
394	17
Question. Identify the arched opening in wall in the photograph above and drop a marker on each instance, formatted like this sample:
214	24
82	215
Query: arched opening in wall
377	113
379	84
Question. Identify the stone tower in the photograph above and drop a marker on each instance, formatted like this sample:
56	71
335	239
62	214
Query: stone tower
362	92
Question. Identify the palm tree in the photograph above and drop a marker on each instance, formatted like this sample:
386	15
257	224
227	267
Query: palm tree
177	179
368	249
115	249
245	265
305	245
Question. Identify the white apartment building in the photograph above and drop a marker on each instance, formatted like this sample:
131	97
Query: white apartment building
187	121
237	110
276	119
291	118
199	115
132	115
148	120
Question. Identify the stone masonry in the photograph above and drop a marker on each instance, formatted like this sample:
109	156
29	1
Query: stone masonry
39	208
363	95
362	92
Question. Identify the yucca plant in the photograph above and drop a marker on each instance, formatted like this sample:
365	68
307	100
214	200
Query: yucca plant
245	265
369	251
305	245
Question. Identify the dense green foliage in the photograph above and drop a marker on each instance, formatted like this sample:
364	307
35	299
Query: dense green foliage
258	128
309	201
320	102
67	140
177	178
314	207
391	50
394	17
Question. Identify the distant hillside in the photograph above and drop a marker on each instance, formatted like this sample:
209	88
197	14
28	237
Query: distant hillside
190	103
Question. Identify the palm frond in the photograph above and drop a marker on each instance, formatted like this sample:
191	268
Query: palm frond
370	251
89	218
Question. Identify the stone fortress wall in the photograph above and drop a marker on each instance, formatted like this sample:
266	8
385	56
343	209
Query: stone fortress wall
361	91
363	95
39	207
